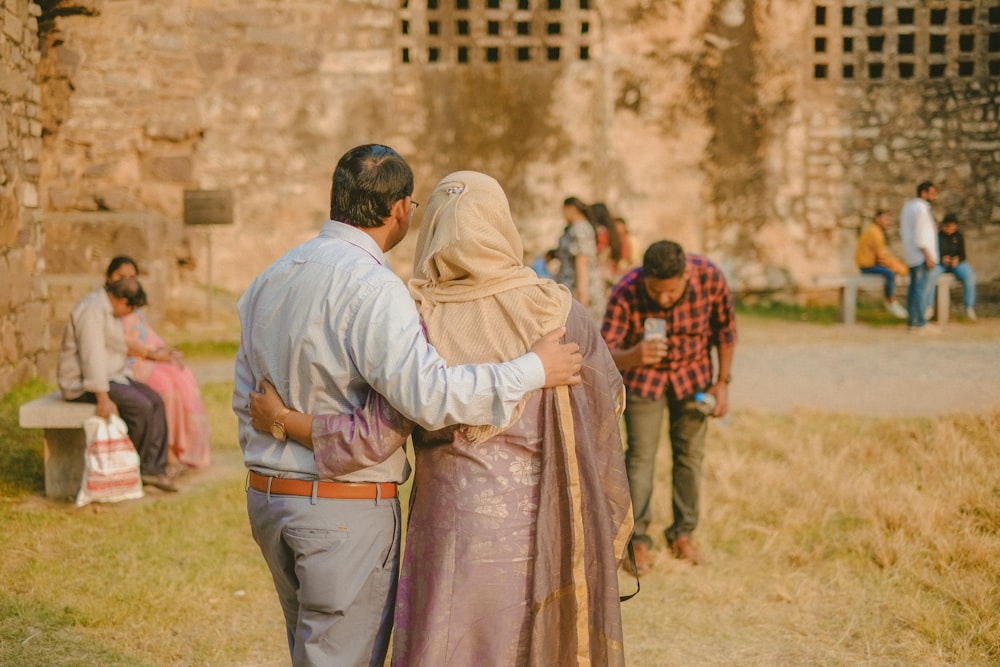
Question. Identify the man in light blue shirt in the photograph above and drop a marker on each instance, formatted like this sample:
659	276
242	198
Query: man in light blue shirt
325	323
918	232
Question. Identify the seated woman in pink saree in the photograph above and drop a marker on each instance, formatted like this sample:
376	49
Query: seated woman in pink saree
161	367
514	535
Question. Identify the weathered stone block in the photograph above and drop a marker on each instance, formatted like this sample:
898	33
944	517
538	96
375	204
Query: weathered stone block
13	26
33	326
9	220
18	286
173	168
9	352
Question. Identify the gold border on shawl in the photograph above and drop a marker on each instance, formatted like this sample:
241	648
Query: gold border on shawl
624	533
579	566
628	521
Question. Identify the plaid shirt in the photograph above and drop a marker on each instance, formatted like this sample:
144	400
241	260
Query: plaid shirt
702	319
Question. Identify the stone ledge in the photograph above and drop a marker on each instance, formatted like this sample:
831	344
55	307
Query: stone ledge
51	411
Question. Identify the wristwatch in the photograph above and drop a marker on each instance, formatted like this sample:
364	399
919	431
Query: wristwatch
728	379
278	425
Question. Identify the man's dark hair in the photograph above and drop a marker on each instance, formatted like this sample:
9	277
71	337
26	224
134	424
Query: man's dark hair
924	187
119	261
129	289
367	181
950	217
662	260
879	212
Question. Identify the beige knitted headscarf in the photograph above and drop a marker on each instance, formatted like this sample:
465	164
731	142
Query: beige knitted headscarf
477	299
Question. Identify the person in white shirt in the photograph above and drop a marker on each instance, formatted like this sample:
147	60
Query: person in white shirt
92	368
324	323
920	252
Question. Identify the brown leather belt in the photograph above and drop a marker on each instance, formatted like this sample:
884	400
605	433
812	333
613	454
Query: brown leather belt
333	490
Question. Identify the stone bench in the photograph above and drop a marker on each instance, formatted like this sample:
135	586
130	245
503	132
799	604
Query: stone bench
64	440
851	284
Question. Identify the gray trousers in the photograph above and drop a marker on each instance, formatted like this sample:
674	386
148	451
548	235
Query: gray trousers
687	429
335	565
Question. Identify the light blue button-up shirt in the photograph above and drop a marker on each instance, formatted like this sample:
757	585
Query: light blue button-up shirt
329	320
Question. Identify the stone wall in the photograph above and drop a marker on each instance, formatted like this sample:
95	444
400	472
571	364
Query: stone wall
24	332
732	126
897	93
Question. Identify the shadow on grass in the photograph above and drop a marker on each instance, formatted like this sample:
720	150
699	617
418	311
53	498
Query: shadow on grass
37	635
21	460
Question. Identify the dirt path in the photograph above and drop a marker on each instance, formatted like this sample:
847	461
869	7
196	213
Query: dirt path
867	370
859	369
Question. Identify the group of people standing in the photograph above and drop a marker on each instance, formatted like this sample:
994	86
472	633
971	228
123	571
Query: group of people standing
110	356
928	251
523	501
594	251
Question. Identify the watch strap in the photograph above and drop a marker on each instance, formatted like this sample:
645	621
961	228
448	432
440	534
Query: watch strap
279	421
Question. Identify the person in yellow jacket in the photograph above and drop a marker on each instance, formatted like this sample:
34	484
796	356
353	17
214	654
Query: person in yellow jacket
873	256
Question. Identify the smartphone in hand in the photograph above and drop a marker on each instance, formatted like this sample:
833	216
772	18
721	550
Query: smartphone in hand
654	328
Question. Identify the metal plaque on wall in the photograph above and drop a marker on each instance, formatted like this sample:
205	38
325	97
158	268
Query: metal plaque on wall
208	207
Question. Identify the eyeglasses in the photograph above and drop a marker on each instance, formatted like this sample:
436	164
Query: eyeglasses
414	205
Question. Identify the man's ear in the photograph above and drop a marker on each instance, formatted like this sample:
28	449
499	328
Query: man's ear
400	208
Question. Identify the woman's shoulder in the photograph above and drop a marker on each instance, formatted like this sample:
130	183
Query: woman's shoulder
581	327
584	233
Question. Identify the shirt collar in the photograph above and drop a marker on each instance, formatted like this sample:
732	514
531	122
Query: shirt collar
334	229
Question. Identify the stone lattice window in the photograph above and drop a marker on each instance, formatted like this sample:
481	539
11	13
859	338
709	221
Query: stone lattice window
460	32
907	39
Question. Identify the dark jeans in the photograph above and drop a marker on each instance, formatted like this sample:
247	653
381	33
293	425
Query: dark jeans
687	429
141	408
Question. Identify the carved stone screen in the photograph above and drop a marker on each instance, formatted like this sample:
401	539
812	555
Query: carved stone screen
458	32
918	39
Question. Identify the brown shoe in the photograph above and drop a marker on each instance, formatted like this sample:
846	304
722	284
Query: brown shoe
162	482
176	470
683	549
642	560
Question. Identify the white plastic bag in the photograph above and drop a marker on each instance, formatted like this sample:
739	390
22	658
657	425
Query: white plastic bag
111	463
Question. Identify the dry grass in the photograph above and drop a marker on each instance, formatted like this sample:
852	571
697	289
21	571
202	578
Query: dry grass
832	540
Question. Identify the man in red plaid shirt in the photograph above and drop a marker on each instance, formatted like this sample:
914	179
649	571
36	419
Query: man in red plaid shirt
691	295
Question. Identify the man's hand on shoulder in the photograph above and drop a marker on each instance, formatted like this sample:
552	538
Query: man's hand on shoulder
562	361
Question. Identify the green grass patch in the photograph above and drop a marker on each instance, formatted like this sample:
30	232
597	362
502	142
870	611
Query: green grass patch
209	349
21	469
870	311
773	309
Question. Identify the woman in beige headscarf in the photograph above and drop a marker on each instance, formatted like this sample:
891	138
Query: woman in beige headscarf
514	535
